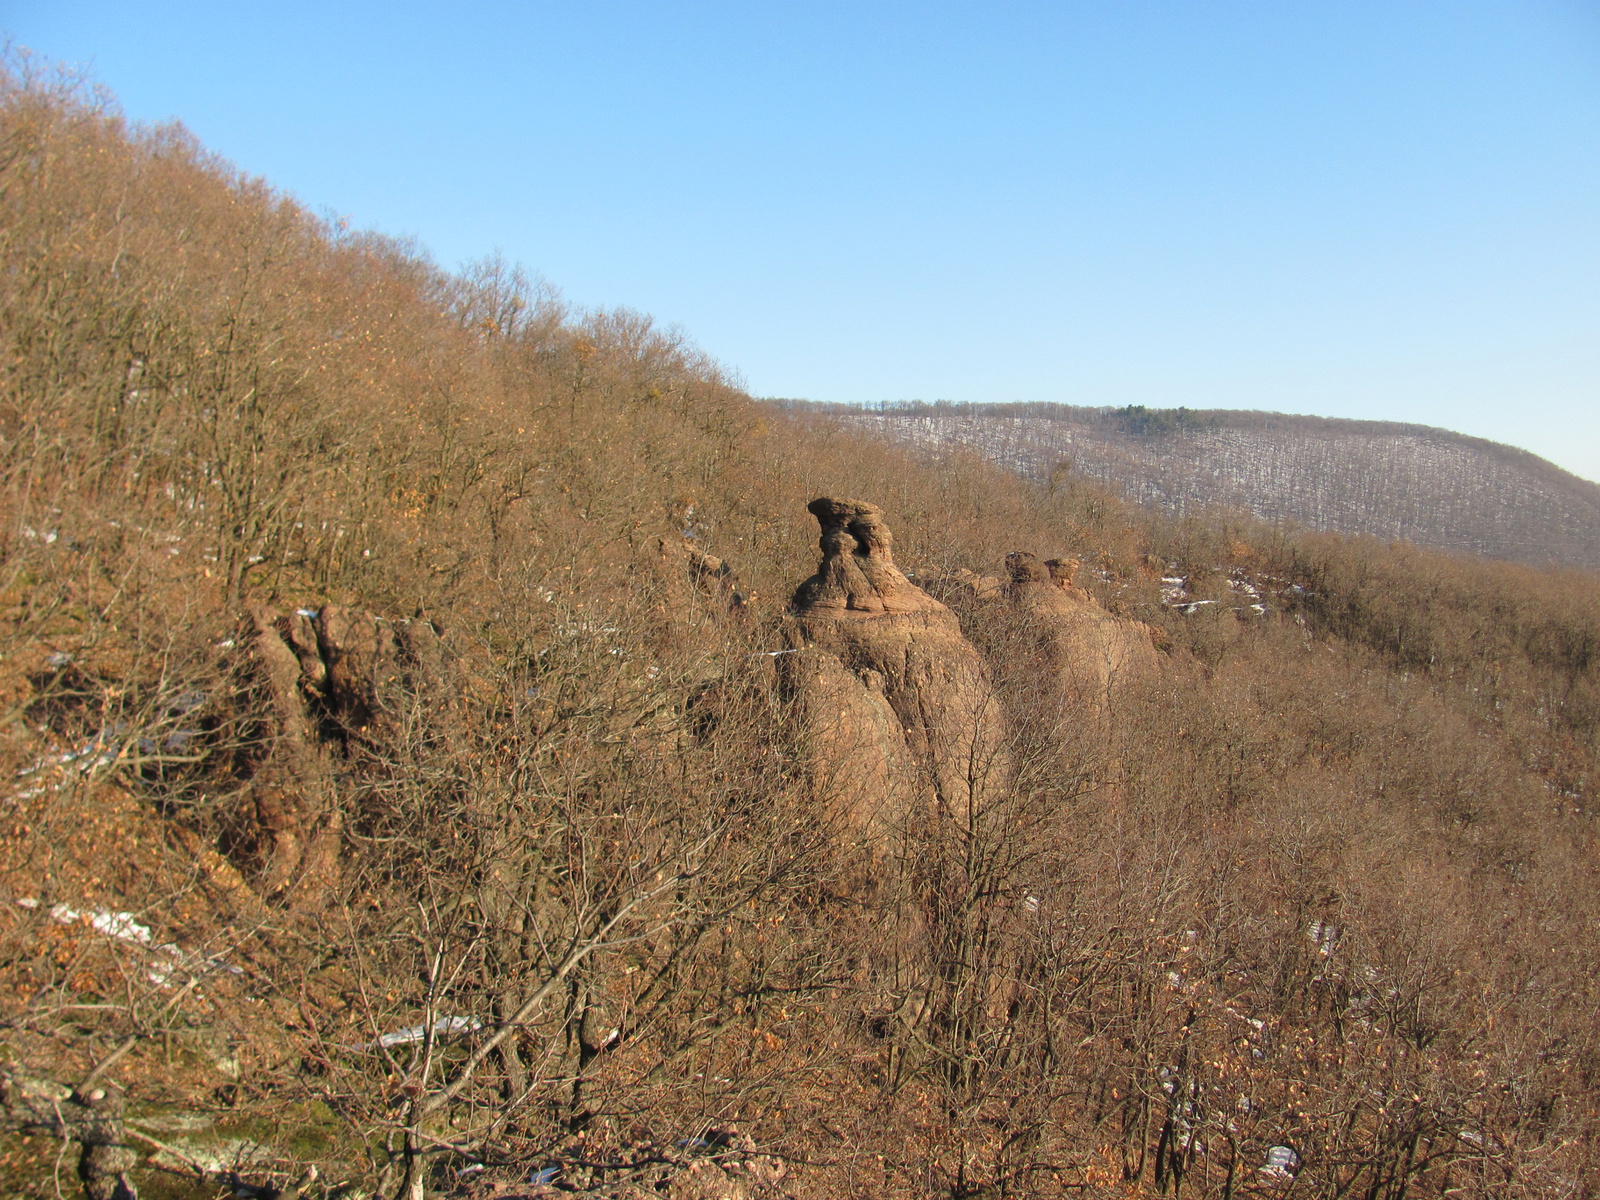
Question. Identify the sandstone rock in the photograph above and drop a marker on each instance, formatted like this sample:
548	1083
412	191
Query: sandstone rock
1025	568
1088	650
855	748
1064	573
221	878
327	676
359	654
291	787
891	640
857	575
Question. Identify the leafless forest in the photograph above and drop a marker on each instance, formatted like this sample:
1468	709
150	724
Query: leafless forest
1397	482
435	763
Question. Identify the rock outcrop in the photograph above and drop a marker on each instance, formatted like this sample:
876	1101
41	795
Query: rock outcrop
1088	651
855	747
857	576
296	822
886	682
328	676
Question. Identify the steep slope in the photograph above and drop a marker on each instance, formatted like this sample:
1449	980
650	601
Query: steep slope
414	767
1393	481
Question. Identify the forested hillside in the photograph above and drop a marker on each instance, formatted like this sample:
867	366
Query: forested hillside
1398	482
440	759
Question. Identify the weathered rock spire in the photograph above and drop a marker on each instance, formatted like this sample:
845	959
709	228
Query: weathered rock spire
857	575
878	651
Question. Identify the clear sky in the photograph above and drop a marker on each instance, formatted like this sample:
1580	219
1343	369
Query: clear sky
1374	209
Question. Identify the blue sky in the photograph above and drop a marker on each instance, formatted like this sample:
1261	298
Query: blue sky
1386	209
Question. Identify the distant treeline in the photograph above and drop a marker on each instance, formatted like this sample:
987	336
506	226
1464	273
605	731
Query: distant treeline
1142	422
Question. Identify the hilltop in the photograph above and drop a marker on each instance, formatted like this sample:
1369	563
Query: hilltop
1384	479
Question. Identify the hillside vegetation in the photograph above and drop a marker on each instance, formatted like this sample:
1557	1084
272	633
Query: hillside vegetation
411	768
1381	478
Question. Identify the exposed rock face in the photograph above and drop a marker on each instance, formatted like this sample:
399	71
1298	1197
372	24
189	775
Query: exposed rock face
879	656
855	746
857	575
1025	568
292	788
358	659
1089	651
328	676
1063	573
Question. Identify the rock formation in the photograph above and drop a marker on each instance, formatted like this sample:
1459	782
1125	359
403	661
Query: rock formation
291	789
1088	650
886	681
857	575
1064	574
327	676
855	747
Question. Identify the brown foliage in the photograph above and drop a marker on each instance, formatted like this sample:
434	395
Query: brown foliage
371	643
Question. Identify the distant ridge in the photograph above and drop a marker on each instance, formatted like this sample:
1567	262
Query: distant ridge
1387	479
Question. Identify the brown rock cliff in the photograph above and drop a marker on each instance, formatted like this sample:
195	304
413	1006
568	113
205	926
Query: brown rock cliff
1089	651
895	652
